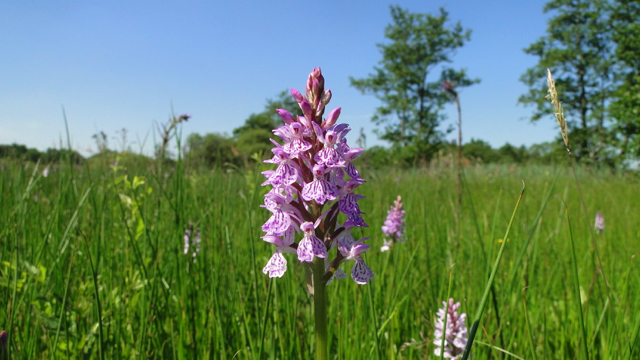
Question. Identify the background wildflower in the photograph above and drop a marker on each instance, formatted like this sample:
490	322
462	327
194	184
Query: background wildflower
393	226
192	241
455	333
599	225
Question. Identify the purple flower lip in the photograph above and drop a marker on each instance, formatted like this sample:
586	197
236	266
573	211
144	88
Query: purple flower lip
310	245
331	119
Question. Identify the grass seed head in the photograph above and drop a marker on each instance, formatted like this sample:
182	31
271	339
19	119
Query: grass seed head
559	113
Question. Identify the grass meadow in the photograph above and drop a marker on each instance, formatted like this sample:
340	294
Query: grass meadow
92	266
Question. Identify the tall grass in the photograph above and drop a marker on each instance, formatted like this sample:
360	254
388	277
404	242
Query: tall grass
95	266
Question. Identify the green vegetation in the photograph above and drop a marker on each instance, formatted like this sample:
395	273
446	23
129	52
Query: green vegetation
94	267
591	48
412	103
21	152
93	262
252	137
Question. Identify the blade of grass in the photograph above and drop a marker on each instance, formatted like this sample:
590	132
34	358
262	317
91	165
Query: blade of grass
375	320
487	290
62	311
576	280
95	288
494	296
595	332
499	349
266	316
535	225
532	343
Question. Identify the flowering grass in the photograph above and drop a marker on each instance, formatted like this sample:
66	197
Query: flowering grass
124	241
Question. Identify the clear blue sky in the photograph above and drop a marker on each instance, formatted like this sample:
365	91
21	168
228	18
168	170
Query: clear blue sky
118	64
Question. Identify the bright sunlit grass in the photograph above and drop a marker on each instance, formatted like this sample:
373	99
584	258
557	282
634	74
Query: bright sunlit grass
156	302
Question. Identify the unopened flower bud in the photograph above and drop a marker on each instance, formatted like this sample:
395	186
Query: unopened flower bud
326	97
315	86
320	110
332	118
309	86
317	91
306	110
285	115
317	73
297	96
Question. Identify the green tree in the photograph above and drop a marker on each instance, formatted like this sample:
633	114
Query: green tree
254	135
479	150
625	107
578	50
212	150
21	152
511	154
411	104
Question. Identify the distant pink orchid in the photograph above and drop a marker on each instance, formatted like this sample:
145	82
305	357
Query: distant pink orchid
455	332
192	241
394	225
599	225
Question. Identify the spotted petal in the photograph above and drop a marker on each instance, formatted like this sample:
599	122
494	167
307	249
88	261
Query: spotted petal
348	204
357	220
296	146
352	171
285	174
276	266
310	246
361	273
278	223
320	191
329	157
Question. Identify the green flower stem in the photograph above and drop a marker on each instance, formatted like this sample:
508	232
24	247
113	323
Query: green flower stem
320	308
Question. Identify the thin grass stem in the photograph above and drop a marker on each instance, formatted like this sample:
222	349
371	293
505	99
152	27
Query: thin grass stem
576	280
487	290
532	343
446	314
